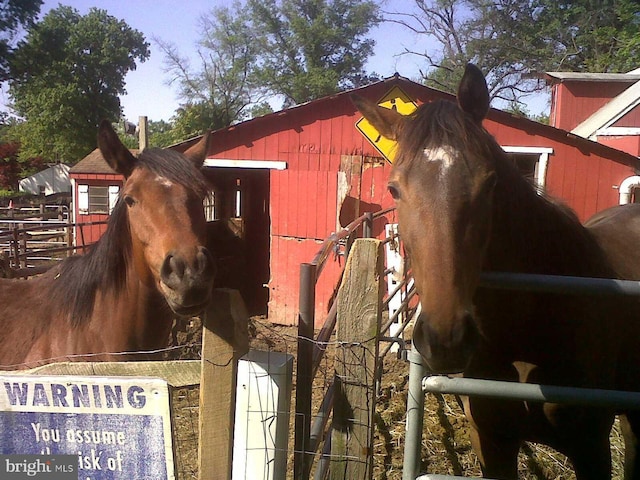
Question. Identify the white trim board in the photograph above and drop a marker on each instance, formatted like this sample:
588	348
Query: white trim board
543	161
227	163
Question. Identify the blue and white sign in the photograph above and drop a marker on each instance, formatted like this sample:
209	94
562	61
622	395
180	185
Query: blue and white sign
119	427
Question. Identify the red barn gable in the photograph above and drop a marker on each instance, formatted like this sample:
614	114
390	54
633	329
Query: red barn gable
603	107
291	178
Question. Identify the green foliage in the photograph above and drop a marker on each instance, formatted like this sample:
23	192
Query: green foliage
515	40
193	119
162	134
313	48
14	15
261	109
589	35
221	89
295	49
66	76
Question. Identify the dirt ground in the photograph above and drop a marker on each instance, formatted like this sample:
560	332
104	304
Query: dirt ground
445	443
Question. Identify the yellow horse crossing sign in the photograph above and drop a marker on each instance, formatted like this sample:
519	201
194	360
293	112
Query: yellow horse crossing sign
394	99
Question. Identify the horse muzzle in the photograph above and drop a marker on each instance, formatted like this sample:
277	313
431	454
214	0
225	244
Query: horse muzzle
186	285
446	350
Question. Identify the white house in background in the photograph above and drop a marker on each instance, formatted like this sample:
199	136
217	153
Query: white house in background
54	179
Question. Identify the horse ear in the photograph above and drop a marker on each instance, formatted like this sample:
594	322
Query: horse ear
386	121
198	152
473	95
114	152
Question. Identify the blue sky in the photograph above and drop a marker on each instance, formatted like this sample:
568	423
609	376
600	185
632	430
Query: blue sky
177	22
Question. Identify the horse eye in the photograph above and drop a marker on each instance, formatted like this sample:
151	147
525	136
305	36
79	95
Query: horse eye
395	194
129	200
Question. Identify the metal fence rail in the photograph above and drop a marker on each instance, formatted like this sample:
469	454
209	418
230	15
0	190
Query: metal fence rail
419	383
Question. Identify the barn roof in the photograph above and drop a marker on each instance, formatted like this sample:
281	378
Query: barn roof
272	122
268	123
559	77
95	163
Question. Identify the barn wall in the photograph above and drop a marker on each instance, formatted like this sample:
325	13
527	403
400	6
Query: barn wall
626	143
91	233
587	181
333	176
574	102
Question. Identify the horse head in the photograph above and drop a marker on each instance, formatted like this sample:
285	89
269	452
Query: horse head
442	182
163	193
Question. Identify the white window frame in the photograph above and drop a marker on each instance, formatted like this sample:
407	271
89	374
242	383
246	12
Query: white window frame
84	206
540	177
83	199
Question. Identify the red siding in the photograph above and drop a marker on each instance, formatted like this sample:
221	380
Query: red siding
574	102
91	233
586	179
627	143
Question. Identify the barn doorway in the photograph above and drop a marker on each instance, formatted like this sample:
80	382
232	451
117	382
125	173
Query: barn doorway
239	205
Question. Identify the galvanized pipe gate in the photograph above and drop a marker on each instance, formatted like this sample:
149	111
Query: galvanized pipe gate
420	382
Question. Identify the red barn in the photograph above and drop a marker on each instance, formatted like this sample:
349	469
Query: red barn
602	107
291	178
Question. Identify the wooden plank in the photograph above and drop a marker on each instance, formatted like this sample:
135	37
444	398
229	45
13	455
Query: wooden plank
177	373
224	341
359	316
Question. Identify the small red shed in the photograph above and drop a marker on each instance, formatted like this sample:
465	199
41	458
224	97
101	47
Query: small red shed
603	107
291	178
94	188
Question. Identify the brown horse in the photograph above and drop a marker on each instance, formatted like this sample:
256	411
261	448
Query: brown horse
121	296
463	207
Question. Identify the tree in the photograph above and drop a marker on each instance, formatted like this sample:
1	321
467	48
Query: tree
313	48
513	41
14	15
9	166
295	49
65	77
590	35
221	91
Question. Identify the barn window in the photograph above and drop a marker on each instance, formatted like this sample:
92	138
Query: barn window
96	199
532	162
210	207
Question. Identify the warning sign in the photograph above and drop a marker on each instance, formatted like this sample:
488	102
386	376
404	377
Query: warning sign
117	428
395	99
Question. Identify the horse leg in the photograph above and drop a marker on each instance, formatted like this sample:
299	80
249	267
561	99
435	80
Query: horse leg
498	455
630	426
590	455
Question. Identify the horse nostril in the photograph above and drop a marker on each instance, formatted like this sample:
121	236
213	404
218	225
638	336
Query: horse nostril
206	265
172	270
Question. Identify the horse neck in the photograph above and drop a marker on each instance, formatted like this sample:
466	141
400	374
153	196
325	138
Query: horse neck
138	315
532	234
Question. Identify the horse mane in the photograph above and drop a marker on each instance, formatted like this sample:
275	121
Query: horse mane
105	265
440	123
521	210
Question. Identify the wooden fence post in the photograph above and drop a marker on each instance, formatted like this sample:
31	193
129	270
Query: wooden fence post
359	317
224	341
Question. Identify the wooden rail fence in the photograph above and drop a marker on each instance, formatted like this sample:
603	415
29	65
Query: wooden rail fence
30	247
